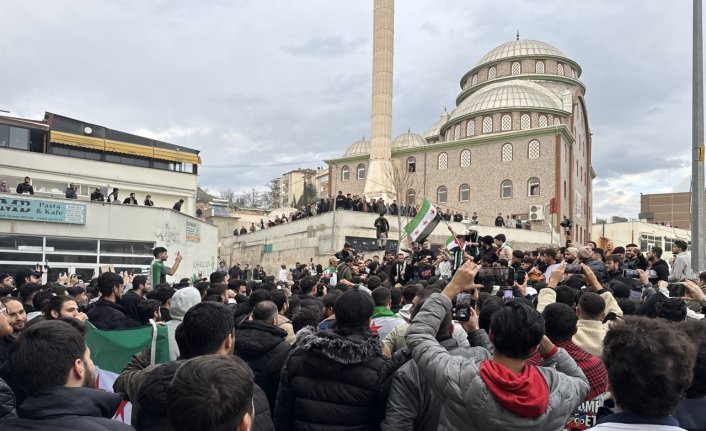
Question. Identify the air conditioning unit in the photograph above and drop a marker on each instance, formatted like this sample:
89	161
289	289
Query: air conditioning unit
536	212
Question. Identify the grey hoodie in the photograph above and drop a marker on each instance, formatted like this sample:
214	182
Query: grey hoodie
182	300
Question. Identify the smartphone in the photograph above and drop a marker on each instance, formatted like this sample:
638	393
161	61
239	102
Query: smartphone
635	295
464	303
631	273
495	276
573	269
507	294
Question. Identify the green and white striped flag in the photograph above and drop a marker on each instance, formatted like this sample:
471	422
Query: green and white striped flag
423	224
111	351
451	243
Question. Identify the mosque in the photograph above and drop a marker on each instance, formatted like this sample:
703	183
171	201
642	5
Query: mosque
518	143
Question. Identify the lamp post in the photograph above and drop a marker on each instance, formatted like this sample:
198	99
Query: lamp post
698	259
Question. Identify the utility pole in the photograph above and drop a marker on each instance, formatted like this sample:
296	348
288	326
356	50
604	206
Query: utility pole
698	258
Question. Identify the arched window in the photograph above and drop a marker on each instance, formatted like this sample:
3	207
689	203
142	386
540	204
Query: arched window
442	195
457	132
533	149
345	173
573	73
560	69
411	164
491	73
525	122
465	158
539	67
361	171
557	121
516	68
443	161
471	127
487	125
464	193
542	121
533	187
506	123
474	80
506	189
411	197
507	152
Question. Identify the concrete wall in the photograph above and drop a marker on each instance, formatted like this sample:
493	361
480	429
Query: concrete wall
166	227
315	238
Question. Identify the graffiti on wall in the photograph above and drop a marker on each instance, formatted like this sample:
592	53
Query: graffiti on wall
204	266
167	234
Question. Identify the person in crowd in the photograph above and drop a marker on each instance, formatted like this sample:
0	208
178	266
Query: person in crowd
261	344
106	313
503	250
17	319
329	316
308	296
336	379
7	397
25	187
590	330
646	397
78	293
55	368
382	229
383	320
61	306
279	297
24	276
178	204
70	192
7	285
634	259
691	412
181	303
114	196
97	195
658	265
130	200
148	310
498	390
159	270
4	188
227	406
148	201
132	298
681	265
27	293
499	220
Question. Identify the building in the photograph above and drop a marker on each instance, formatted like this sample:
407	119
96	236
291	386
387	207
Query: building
81	237
289	188
644	235
672	209
518	138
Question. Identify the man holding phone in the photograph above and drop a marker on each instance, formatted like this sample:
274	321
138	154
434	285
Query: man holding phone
159	269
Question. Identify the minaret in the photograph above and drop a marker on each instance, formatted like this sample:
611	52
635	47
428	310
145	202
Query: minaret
378	182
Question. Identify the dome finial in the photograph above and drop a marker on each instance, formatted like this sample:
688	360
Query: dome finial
409	130
518	34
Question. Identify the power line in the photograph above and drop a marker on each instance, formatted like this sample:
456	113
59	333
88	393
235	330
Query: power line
261	165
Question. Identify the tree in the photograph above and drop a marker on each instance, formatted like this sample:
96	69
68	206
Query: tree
275	193
308	195
228	195
402	181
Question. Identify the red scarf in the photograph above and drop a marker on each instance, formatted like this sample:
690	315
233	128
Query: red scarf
525	395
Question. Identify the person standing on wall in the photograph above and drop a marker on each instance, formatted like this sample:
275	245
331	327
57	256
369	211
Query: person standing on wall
382	227
159	269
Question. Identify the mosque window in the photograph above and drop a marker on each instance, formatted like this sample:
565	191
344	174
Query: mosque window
411	164
487	125
533	187
345	173
525	122
361	171
542	121
573	72
506	189
516	69
491	73
464	193
411	197
557	121
443	161
506	123
442	195
457	132
474	80
471	127
560	69
539	67
533	149
507	152
465	158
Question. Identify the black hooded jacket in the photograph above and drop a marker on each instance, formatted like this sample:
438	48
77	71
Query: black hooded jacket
330	381
263	346
69	409
105	314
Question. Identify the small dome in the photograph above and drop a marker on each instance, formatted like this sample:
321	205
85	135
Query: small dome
359	148
506	95
433	131
408	140
519	48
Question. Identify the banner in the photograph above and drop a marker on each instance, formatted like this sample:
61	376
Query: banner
19	207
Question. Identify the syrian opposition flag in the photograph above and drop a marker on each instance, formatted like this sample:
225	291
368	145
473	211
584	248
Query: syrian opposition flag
111	351
423	224
451	243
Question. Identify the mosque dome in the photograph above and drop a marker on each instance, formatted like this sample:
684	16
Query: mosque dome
408	140
520	48
508	95
359	148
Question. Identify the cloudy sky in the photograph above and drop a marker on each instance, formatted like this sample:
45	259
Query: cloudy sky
263	87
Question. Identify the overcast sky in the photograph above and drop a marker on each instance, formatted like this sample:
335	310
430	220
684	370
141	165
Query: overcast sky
263	87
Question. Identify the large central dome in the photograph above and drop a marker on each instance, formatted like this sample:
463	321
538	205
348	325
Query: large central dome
518	48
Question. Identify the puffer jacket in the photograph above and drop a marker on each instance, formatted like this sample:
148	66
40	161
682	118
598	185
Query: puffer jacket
152	399
7	402
67	409
263	347
333	382
412	405
469	403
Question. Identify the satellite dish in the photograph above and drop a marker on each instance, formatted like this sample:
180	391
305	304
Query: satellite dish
199	212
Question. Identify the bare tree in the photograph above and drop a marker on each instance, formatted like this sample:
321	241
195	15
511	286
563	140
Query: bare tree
402	180
228	195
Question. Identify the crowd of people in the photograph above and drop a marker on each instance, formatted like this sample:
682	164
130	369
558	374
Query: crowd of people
422	340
